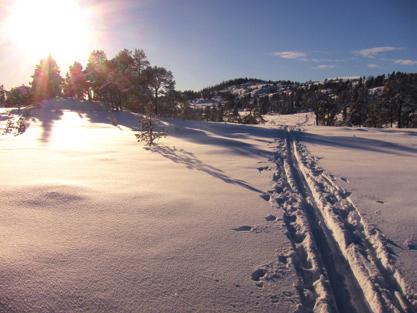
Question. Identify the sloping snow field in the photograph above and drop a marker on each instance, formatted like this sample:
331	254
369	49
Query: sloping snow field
216	218
93	222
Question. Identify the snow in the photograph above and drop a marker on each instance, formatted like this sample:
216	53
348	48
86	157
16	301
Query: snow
370	173
91	221
254	90
250	89
200	102
379	168
299	119
347	78
216	218
376	91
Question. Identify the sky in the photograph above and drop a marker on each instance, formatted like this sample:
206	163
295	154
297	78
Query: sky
206	42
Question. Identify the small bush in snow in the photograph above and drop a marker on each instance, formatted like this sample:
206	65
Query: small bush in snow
148	132
16	127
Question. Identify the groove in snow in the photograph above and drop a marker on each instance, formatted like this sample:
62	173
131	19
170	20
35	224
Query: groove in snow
342	264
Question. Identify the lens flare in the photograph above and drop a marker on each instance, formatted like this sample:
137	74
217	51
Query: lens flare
60	28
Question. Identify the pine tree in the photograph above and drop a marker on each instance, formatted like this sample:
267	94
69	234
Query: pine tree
160	82
75	82
148	133
140	62
96	73
359	104
47	80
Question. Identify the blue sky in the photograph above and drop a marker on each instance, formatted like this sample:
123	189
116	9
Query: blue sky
205	42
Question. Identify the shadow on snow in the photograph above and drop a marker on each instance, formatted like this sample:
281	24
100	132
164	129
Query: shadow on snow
188	159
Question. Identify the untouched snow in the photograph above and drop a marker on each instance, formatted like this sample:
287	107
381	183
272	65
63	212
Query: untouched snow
93	222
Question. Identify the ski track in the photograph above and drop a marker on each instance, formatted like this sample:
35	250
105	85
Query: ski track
343	264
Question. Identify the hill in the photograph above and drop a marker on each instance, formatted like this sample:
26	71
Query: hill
381	101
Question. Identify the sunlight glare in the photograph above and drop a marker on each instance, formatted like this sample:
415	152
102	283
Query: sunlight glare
60	28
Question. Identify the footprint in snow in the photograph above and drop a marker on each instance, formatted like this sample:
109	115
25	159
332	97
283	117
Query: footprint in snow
283	258
275	299
411	244
244	228
263	168
266	195
258	274
344	194
270	218
344	179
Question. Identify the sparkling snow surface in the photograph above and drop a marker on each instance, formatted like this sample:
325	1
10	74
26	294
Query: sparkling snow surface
93	222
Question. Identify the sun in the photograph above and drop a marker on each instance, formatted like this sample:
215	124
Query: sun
57	27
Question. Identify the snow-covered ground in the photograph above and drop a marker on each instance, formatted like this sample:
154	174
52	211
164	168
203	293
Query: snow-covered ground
379	168
93	222
216	218
297	119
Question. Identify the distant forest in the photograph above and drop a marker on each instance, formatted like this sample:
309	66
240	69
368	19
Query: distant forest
381	101
128	81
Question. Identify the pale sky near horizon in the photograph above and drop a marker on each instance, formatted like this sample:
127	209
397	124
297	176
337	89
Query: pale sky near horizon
205	42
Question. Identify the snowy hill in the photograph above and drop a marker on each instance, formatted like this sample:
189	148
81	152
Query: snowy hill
216	218
255	88
217	95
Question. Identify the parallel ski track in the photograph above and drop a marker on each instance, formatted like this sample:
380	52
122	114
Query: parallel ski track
343	265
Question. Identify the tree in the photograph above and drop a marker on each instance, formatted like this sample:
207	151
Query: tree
96	73
160	82
148	132
20	96
75	82
140	62
47	80
140	94
119	82
359	105
2	95
122	78
400	92
375	116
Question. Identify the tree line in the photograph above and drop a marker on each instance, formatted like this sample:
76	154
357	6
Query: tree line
381	101
129	81
126	81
